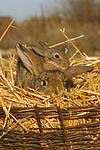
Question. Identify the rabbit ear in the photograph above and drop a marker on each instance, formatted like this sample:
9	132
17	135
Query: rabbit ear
75	70
39	50
23	53
44	44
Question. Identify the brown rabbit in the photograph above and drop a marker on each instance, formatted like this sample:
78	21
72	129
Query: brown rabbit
33	61
50	82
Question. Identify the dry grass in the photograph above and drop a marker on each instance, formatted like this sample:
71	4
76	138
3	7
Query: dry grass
69	115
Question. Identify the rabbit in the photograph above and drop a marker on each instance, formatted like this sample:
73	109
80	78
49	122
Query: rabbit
33	61
51	82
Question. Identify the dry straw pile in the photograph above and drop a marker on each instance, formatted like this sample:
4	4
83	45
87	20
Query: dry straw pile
70	120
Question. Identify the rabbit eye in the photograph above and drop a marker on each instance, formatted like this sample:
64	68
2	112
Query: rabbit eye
44	83
57	55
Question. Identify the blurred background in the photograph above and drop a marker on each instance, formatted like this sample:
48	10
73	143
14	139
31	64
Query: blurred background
41	20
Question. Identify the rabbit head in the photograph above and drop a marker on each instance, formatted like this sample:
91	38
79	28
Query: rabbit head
50	83
54	59
38	60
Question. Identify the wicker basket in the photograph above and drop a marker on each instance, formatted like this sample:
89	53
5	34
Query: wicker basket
79	137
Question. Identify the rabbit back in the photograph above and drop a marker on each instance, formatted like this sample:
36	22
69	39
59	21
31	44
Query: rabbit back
23	75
